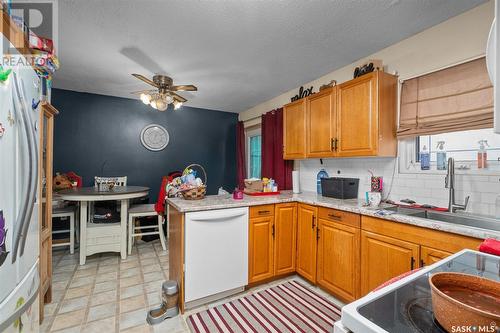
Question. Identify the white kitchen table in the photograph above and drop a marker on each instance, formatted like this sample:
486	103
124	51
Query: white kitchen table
103	237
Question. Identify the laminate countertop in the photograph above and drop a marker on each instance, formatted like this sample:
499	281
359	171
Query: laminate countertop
357	206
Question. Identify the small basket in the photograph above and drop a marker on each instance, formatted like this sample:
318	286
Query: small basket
196	193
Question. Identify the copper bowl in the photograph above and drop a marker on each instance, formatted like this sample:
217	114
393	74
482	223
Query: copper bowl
463	300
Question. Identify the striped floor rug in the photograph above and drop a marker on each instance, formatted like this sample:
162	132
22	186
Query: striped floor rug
288	307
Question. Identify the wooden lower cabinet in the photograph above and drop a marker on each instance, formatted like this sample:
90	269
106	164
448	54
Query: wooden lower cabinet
429	256
338	259
383	258
285	238
272	241
306	241
260	249
344	253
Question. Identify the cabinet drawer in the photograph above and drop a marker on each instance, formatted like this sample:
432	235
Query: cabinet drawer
346	218
261	211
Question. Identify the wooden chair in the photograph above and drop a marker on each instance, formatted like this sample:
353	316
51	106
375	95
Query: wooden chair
144	210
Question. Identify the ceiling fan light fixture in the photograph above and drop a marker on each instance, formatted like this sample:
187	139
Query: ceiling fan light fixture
146	98
164	94
161	105
177	105
169	99
153	104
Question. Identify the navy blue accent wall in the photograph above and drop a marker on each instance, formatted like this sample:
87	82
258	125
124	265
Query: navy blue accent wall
100	135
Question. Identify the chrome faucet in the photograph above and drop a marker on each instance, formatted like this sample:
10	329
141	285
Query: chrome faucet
450	184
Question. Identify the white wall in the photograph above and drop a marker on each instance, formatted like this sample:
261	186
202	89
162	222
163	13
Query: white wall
454	41
428	188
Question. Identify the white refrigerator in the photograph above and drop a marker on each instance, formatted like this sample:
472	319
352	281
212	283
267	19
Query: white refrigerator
19	225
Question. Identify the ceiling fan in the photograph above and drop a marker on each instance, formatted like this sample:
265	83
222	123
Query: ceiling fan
165	92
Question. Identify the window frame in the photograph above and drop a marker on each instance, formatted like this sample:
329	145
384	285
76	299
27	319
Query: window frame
249	133
408	162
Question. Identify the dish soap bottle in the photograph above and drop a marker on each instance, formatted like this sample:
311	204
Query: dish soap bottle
441	156
321	174
482	155
425	159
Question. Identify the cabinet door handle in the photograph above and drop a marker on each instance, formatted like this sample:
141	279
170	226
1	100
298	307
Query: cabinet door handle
335	217
332	144
261	212
422	264
412	263
317	233
336	144
313	224
272	230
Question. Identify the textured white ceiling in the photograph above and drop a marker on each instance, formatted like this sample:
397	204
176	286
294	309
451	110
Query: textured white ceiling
238	53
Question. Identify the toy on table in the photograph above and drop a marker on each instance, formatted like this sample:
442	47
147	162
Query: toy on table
61	182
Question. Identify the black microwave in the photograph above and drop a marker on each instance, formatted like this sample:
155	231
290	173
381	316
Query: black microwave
339	187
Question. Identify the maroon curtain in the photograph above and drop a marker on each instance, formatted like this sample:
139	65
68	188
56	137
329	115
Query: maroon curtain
273	164
241	170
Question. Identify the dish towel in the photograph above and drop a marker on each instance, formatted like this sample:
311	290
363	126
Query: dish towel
491	246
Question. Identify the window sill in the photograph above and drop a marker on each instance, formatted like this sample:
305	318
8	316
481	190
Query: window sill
415	170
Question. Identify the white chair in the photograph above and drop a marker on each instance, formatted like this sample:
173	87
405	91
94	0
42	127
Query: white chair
69	212
144	210
118	181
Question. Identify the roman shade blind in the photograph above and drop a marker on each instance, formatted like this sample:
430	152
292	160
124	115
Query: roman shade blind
453	99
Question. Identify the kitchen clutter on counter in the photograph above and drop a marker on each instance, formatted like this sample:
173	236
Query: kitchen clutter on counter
189	185
264	186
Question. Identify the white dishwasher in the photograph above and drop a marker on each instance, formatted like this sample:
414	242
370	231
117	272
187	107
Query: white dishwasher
216	254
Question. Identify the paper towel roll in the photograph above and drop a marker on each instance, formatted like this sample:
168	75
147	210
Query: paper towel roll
295	182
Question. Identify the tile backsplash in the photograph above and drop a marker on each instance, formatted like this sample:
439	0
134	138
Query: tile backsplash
423	188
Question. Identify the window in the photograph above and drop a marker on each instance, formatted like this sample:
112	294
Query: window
462	146
254	153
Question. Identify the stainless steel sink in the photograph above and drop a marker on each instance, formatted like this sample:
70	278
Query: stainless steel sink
476	221
408	211
482	222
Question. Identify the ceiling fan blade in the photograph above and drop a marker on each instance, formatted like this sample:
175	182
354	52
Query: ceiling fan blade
178	98
186	87
145	79
144	91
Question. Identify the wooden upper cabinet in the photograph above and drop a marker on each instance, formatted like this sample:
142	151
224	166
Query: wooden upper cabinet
355	118
306	241
294	130
285	238
383	258
321	123
338	259
366	116
358	117
260	248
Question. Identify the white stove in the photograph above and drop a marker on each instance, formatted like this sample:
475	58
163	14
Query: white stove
405	306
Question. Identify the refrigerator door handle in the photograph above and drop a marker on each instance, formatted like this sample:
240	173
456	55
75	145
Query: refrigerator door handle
24	212
33	162
17	314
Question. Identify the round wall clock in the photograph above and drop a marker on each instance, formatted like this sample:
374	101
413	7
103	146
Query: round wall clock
154	137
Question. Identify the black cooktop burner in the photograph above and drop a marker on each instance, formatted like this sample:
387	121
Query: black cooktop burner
420	316
408	308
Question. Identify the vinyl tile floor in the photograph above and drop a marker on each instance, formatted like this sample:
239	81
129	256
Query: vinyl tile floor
108	294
